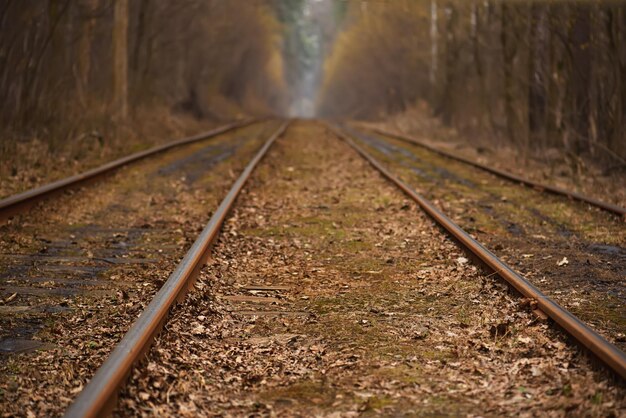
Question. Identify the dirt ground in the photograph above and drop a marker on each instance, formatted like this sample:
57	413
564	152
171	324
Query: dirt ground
603	181
77	270
330	294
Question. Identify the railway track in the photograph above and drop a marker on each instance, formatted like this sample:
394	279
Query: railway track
609	207
21	202
99	396
86	260
106	230
573	252
606	352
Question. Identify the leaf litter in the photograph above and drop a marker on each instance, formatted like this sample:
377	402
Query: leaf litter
379	316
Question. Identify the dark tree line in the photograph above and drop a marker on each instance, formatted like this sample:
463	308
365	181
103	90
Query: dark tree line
562	72
69	60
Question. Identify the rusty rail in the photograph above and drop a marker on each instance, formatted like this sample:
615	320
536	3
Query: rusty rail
99	395
608	353
609	207
21	202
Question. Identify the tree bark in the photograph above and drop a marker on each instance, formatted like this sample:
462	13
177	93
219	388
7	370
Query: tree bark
581	77
617	139
120	59
508	57
537	75
446	108
84	49
434	50
485	95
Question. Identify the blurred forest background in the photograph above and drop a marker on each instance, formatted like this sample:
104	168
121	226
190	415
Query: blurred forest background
533	74
73	62
86	80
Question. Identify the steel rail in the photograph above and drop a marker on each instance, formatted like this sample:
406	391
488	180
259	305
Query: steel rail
98	397
608	353
21	202
609	207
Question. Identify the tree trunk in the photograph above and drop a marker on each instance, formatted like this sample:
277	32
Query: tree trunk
581	77
446	108
537	75
508	58
480	69
618	39
434	50
84	49
120	59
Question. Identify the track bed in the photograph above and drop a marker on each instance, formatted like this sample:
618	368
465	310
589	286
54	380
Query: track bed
573	252
330	293
78	269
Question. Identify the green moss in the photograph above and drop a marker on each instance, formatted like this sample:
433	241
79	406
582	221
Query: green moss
377	402
463	316
596	399
14	367
306	392
608	309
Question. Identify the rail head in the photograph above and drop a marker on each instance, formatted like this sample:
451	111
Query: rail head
608	353
98	397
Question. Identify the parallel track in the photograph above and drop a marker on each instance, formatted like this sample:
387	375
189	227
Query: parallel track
23	201
100	394
607	353
609	207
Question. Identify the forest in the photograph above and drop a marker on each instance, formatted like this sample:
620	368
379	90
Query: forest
533	75
86	81
73	65
312	208
529	73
